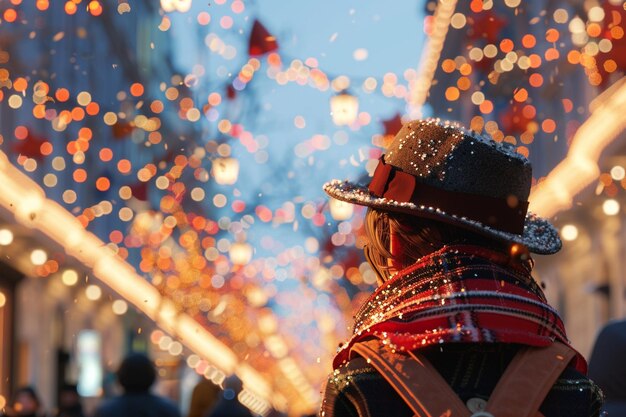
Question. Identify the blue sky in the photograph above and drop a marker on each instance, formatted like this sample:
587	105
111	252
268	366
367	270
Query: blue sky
330	32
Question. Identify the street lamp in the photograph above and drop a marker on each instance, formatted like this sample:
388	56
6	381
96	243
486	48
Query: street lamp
225	170
344	108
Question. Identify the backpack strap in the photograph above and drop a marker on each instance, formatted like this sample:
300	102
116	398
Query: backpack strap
528	379
417	382
519	393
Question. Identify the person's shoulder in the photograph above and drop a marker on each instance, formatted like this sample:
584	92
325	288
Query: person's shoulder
354	371
615	408
168	406
573	394
108	407
229	408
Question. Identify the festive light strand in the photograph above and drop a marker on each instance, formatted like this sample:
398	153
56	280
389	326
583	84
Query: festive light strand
432	51
556	193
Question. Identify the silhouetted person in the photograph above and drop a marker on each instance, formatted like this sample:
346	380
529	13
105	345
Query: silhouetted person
69	402
607	367
203	398
457	325
228	405
25	403
136	375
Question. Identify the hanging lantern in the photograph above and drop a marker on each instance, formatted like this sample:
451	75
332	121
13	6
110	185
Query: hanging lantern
240	253
225	170
344	108
261	41
340	210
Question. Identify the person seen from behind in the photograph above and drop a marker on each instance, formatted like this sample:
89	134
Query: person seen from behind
69	402
457	326
228	404
25	403
203	397
136	375
607	367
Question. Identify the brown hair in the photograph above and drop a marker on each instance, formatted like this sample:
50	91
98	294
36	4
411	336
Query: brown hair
417	236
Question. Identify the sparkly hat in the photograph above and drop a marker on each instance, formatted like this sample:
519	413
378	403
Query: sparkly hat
441	171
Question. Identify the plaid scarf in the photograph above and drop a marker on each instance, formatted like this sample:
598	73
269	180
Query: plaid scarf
459	294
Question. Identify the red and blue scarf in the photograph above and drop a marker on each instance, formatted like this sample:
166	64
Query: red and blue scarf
459	294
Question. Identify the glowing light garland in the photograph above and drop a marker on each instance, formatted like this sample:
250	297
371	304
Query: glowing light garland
26	201
432	51
557	191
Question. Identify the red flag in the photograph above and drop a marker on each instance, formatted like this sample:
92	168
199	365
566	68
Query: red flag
140	190
261	41
231	93
30	146
122	129
514	120
487	25
393	125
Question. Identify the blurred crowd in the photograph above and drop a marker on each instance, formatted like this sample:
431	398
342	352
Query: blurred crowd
136	375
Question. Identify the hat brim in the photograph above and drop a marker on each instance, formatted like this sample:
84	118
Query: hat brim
539	235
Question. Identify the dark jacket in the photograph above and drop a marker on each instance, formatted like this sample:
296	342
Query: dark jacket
138	405
468	310
75	411
471	370
229	408
227	404
607	367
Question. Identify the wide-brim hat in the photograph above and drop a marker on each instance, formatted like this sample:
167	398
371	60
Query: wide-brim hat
441	171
